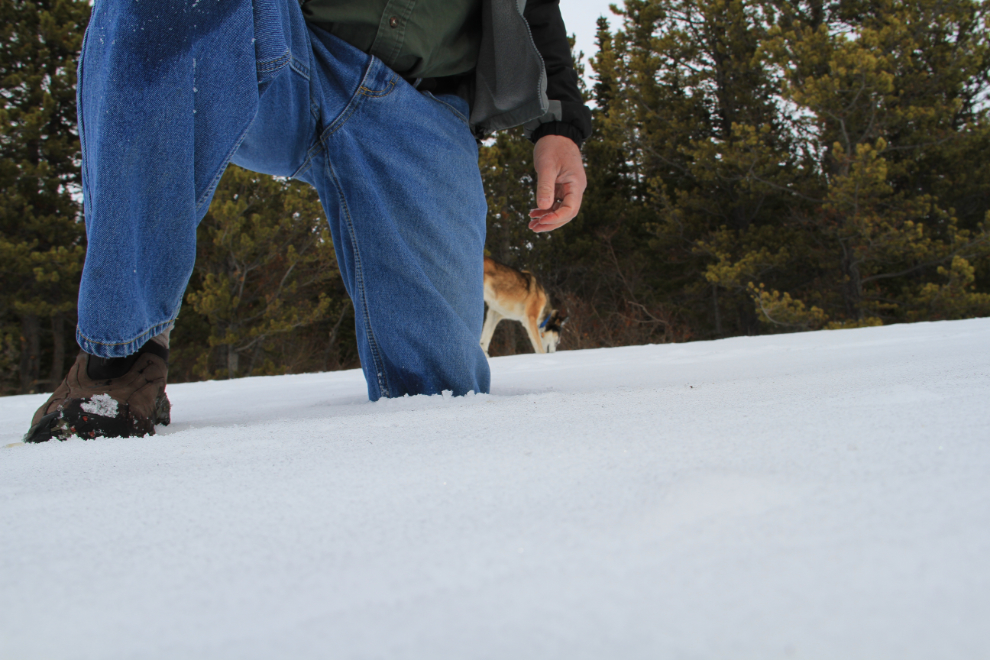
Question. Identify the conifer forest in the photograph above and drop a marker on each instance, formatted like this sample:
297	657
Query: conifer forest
757	166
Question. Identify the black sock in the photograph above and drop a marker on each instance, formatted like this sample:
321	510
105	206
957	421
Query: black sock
98	368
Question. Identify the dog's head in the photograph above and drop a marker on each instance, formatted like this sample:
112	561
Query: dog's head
550	334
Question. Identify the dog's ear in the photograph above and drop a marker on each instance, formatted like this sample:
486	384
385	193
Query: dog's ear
561	318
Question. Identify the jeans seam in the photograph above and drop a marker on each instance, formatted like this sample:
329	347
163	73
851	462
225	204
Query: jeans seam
154	331
223	164
359	285
317	144
313	151
223	167
305	165
355	100
377	93
84	169
451	108
273	65
299	67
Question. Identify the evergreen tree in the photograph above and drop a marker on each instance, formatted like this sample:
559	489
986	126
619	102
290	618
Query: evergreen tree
42	241
613	289
265	271
698	133
893	97
794	165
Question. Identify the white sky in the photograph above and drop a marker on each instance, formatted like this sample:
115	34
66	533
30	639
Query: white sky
580	17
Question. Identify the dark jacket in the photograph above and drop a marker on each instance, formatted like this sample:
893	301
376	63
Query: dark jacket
525	74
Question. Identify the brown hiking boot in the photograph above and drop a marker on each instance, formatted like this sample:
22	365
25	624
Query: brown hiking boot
117	397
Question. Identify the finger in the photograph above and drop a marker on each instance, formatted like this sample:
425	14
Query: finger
548	220
547	223
567	202
558	202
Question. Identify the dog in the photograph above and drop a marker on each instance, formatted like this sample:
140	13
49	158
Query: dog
517	296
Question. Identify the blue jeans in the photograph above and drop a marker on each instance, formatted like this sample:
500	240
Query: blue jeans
172	91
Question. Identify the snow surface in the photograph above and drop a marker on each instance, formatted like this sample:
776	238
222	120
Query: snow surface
819	495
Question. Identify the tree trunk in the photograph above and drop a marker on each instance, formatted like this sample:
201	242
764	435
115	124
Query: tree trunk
233	358
852	288
718	315
30	348
255	354
332	347
58	351
749	322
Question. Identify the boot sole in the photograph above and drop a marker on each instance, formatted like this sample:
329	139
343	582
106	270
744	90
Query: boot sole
71	420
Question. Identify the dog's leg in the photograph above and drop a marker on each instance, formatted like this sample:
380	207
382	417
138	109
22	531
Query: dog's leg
533	330
491	320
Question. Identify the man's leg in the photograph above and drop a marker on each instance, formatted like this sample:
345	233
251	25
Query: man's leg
398	175
167	92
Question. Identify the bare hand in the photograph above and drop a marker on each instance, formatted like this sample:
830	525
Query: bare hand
560	182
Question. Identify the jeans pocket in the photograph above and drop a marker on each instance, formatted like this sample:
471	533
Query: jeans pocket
379	86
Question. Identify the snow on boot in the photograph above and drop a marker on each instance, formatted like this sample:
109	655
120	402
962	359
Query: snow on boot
116	397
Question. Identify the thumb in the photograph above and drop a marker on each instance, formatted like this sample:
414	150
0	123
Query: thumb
546	182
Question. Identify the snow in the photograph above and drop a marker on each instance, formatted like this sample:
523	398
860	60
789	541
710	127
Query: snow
101	404
818	495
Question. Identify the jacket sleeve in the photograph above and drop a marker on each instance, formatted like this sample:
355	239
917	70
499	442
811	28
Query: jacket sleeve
568	115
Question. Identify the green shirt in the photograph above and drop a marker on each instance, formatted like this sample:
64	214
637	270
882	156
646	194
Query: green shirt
426	39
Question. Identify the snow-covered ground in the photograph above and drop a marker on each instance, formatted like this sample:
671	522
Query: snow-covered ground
821	495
